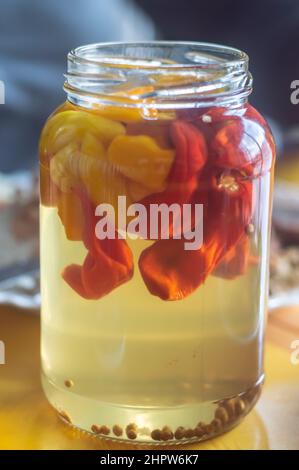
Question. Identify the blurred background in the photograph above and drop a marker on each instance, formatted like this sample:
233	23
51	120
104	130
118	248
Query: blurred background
35	38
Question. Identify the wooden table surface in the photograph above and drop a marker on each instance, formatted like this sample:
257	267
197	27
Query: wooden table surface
28	422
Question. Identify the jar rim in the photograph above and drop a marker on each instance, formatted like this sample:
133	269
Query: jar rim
204	74
233	55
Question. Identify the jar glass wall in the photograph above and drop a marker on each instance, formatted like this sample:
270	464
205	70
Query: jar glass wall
156	181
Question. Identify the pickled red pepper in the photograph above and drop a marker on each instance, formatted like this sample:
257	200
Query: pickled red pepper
210	160
171	272
107	265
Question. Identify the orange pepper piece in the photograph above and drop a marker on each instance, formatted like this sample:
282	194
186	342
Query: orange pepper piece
119	113
71	215
108	263
253	115
68	205
142	160
171	272
190	159
158	131
70	127
110	267
122	111
243	145
191	151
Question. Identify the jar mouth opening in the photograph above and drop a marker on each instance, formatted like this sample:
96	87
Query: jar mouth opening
166	55
157	74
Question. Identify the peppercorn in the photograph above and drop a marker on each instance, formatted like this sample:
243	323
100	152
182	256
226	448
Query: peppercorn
222	415
166	434
117	430
179	433
156	435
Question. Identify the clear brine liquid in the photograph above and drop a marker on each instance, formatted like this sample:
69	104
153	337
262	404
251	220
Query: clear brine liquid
131	357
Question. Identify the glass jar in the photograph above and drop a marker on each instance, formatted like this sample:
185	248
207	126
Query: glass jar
156	181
